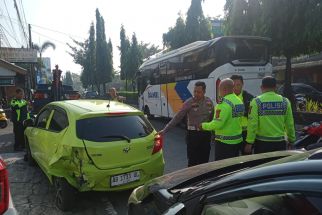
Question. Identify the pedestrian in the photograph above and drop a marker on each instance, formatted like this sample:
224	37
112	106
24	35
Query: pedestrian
246	98
270	118
197	109
19	107
112	95
226	123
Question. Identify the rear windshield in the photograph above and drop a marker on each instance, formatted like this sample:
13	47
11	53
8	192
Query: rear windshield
107	128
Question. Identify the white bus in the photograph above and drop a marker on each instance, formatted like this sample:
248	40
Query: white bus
167	80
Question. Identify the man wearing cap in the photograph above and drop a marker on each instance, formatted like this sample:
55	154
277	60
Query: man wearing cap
197	109
270	118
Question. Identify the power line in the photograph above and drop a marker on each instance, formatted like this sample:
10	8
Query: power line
5	39
48	37
14	32
10	35
49	29
23	12
19	18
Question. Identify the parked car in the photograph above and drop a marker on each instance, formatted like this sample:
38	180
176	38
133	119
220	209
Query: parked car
91	95
6	203
304	90
93	145
286	182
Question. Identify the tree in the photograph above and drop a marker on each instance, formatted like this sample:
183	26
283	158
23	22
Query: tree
68	80
90	73
197	26
124	53
104	62
176	36
293	26
148	50
135	59
42	48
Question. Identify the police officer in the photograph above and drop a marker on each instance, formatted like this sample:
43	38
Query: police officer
246	97
270	117
112	95
19	108
197	109
227	122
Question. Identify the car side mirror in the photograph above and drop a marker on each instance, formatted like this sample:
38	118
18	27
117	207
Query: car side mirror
28	123
178	209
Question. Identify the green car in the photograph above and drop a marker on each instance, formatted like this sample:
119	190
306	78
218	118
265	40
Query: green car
93	145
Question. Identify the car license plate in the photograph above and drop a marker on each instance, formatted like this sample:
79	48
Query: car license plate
126	178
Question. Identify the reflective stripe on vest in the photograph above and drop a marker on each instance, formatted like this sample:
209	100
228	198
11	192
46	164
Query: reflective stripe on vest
263	138
271	108
237	110
222	137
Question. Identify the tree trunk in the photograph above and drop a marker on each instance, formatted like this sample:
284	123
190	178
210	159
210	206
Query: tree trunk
287	82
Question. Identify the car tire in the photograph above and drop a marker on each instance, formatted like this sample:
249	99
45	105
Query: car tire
65	197
28	156
3	124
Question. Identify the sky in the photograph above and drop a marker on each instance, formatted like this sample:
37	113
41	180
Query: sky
60	20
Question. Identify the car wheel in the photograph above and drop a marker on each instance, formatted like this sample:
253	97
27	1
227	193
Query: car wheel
29	158
3	124
65	194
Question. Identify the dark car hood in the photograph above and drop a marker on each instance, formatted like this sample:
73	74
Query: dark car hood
174	179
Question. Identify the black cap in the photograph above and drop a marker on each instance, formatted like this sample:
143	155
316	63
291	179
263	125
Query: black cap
269	82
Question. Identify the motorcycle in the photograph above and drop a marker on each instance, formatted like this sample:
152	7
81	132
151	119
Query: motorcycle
3	119
310	137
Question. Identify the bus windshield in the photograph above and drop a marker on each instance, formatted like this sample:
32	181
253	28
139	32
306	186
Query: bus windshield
243	50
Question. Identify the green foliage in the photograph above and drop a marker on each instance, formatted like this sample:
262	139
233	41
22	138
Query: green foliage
313	106
196	27
176	36
294	26
148	50
95	56
124	52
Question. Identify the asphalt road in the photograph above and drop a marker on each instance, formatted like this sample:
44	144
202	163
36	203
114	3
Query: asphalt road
32	193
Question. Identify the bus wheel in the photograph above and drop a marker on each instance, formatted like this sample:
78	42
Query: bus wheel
147	112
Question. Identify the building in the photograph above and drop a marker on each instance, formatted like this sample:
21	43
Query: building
44	75
217	27
11	77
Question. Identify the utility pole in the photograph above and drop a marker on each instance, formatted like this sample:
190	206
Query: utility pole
31	76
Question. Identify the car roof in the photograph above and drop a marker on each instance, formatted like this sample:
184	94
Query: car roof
82	106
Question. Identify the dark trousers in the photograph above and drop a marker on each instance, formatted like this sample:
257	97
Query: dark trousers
224	151
198	147
243	144
18	131
265	146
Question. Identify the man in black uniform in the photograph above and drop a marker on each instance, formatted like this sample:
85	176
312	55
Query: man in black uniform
246	98
19	113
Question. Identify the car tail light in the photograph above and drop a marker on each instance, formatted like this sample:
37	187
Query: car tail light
4	188
217	90
40	96
158	143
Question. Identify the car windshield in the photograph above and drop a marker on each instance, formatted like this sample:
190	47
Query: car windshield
115	128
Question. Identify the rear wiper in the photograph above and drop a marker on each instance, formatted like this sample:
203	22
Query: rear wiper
117	136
